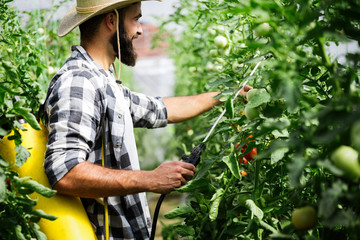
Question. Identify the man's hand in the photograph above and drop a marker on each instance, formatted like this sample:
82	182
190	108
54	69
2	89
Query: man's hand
244	91
171	175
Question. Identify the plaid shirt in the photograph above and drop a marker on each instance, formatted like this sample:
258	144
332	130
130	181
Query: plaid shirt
80	97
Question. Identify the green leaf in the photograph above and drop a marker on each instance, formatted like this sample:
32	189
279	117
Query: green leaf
255	210
42	214
28	116
3	132
215	203
296	168
218	82
229	105
329	199
180	211
260	97
10	70
37	187
8	90
25	201
21	155
279	124
280	133
2	185
204	169
19	103
19	234
184	230
291	93
233	165
3	163
278	154
39	235
195	184
268	227
355	135
331	167
342	217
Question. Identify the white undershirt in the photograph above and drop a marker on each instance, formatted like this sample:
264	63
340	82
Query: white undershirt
130	144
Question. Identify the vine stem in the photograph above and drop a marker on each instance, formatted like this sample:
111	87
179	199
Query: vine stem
226	189
325	57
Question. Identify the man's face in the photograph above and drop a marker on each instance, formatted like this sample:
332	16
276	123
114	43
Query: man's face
129	29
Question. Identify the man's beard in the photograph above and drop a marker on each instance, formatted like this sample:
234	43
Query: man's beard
127	51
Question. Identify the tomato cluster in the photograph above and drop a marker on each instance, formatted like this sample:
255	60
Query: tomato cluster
248	156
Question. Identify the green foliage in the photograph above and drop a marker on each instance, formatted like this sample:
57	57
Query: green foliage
30	54
19	90
309	108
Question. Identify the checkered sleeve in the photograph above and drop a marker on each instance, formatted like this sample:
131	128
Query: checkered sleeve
73	117
146	111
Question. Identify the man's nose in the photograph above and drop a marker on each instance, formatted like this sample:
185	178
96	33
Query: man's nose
139	29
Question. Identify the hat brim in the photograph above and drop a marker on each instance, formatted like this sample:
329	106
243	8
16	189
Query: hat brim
73	19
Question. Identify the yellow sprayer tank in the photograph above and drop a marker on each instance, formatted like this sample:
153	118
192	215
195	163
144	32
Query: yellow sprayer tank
72	222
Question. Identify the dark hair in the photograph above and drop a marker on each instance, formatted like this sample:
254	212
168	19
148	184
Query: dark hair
91	26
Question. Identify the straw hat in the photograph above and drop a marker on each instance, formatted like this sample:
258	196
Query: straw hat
86	9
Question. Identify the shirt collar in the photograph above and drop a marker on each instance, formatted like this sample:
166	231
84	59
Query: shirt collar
82	52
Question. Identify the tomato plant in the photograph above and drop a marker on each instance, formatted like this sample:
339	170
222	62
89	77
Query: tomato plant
25	71
307	108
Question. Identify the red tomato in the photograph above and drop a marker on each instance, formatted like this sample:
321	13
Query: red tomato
244	160
250	136
243	173
252	154
243	148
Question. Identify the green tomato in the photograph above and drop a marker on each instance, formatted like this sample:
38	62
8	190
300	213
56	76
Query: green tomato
192	69
214	53
263	29
304	218
221	41
224	51
211	31
213	67
251	113
346	158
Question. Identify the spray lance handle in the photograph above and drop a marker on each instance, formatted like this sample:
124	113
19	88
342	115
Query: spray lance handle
194	157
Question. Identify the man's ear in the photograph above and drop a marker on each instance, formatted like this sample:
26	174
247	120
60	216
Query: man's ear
110	21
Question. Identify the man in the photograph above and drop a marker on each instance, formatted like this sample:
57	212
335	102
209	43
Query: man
90	120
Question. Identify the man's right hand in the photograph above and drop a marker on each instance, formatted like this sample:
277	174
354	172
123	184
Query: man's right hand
171	175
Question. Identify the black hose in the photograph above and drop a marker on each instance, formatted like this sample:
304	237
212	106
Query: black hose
156	214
